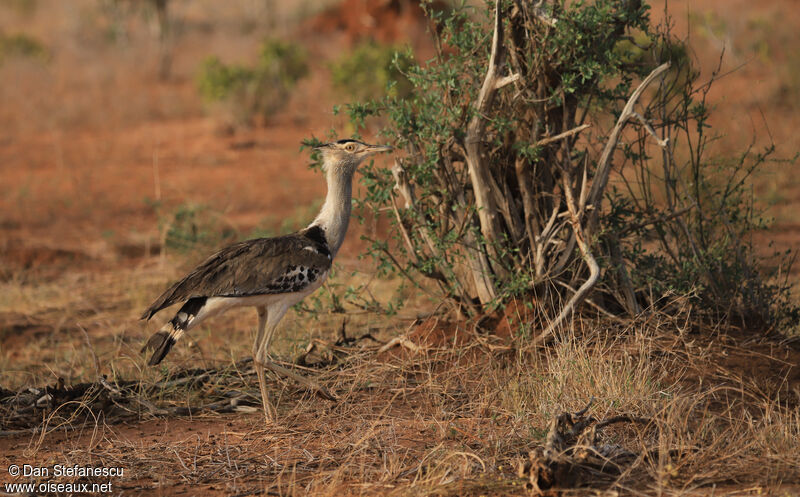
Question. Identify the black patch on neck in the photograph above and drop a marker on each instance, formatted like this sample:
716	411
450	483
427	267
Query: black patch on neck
317	235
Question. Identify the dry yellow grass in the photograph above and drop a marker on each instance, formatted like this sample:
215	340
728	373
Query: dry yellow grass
442	419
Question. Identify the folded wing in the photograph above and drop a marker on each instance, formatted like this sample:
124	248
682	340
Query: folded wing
261	266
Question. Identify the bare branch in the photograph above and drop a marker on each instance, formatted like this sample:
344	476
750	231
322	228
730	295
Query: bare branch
661	143
586	251
506	80
478	264
480	176
604	164
561	136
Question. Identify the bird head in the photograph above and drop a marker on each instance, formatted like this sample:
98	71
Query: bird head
345	155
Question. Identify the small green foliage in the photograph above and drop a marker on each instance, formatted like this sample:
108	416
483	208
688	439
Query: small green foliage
194	227
23	46
256	91
372	70
333	296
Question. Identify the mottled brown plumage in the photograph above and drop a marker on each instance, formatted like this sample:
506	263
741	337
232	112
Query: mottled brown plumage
253	267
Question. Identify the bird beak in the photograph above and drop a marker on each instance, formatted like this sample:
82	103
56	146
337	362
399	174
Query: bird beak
374	149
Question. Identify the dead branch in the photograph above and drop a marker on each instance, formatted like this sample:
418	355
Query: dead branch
561	136
505	81
604	164
580	237
571	456
483	184
401	340
661	143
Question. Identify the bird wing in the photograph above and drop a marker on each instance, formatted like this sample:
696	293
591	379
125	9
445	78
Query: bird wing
260	266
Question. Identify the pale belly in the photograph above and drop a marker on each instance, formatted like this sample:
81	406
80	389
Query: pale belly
280	301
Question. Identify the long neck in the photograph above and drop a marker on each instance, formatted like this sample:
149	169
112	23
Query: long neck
334	216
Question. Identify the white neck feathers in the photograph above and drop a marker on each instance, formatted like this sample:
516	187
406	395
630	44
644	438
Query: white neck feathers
334	216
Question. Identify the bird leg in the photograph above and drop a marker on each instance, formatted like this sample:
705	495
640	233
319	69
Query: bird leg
269	411
267	324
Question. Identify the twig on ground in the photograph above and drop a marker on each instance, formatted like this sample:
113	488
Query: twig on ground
401	340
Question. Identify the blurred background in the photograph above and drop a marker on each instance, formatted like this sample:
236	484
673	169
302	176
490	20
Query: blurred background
138	135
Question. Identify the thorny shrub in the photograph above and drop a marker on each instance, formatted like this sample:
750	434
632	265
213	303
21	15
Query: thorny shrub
512	194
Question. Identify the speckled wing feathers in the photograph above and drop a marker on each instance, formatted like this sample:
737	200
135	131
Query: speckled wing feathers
255	267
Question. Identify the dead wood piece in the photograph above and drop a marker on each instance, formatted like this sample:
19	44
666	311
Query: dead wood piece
571	457
561	136
402	341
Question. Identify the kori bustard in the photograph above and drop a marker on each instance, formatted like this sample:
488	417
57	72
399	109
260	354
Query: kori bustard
270	274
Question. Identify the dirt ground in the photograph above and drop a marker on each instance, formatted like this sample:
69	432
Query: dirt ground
97	153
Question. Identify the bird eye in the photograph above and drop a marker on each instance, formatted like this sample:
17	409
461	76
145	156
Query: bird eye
350	147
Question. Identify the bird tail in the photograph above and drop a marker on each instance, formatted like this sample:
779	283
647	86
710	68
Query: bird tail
162	341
